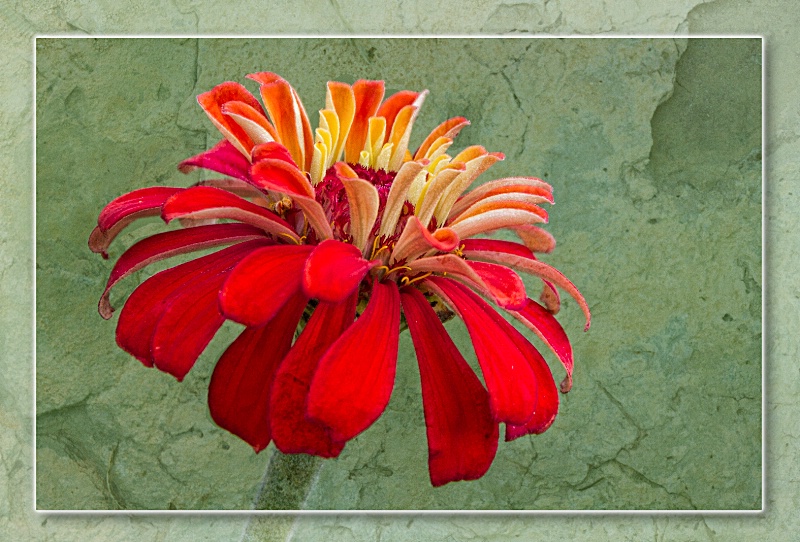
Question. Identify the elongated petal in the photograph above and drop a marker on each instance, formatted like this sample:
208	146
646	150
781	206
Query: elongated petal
281	176
212	103
288	116
535	238
501	202
292	430
125	209
223	158
261	283
540	321
147	303
208	202
342	101
546	393
400	135
272	151
499	283
508	375
190	320
364	201
368	95
239	391
171	243
334	270
524	185
435	189
474	168
253	121
397	195
462	436
495	219
355	377
390	108
537	268
416	240
448	129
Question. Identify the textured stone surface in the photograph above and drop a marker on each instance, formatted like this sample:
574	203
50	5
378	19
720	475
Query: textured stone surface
773	19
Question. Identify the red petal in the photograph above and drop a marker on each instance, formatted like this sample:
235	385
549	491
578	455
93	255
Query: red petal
124	210
171	243
334	270
354	379
281	176
508	375
223	158
238	394
292	431
544	324
506	287
208	202
144	307
190	320
462	437
272	151
259	286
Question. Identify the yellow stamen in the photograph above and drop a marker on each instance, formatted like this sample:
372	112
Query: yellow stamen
405	281
293	239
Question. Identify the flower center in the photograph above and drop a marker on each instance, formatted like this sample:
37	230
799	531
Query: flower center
330	193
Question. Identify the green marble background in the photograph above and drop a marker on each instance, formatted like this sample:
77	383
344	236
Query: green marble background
773	19
666	407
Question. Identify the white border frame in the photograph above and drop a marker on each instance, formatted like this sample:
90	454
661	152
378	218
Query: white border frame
469	512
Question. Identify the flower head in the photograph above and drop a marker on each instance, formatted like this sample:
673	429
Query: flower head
346	224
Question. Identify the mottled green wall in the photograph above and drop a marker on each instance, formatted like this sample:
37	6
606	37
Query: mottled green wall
645	184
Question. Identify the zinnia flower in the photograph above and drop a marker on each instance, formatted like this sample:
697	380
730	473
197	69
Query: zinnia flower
335	223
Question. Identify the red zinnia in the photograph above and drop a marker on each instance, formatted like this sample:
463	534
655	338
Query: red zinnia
345	221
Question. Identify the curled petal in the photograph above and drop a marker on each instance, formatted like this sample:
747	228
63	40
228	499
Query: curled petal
491	204
499	283
462	436
262	282
201	202
292	431
521	185
252	120
145	306
124	210
288	116
368	95
341	99
272	151
281	176
448	129
171	243
364	202
397	195
537	268
435	189
394	104
416	240
535	238
477	161
239	391
508	375
223	158
543	323
495	219
355	377
215	99
334	270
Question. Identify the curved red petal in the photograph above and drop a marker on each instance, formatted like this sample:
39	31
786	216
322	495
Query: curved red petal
272	151
145	306
171	243
334	270
223	158
262	282
292	431
462	436
125	209
212	103
355	377
201	202
543	323
281	176
239	391
495	245
508	375
507	288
